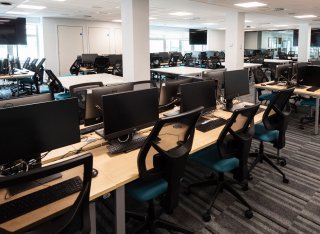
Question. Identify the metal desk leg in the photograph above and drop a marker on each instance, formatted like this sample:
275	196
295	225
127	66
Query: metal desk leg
92	210
255	96
120	222
316	125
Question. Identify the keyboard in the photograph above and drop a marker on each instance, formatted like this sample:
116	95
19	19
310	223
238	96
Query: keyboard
91	128
33	201
116	147
211	124
313	88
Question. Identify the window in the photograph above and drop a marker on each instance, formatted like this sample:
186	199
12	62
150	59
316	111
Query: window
156	45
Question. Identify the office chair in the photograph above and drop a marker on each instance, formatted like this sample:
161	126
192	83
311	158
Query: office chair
26	63
214	63
273	129
260	77
155	61
161	164
80	91
101	64
311	103
173	61
283	55
230	153
117	68
32	65
188	60
66	221
75	67
57	90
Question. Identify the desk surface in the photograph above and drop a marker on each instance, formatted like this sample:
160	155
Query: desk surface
20	74
114	170
180	70
105	78
247	65
277	60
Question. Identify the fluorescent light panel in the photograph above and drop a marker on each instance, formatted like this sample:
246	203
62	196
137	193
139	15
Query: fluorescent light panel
17	13
305	16
117	21
180	13
31	7
250	4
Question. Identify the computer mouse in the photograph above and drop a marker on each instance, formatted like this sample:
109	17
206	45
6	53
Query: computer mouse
94	172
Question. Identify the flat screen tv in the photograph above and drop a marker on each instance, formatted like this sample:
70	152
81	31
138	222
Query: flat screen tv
197	37
13	31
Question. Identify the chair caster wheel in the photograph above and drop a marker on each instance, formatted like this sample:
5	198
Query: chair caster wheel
248	214
283	163
250	177
206	216
285	180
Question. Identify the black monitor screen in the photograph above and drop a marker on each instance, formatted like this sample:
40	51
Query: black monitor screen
309	75
89	58
236	83
13	31
93	107
25	100
127	112
197	37
29	130
198	94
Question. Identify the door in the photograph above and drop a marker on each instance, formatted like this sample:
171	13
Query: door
70	44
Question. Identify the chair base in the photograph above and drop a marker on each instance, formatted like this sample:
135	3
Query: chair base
221	185
151	223
261	156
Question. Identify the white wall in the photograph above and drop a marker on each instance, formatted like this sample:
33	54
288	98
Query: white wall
216	40
50	37
251	40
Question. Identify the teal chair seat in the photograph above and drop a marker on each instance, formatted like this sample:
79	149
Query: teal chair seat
308	102
142	191
44	89
61	96
262	134
26	81
209	157
265	97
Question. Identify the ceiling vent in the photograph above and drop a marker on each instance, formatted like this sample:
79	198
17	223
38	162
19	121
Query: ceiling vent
278	9
6	3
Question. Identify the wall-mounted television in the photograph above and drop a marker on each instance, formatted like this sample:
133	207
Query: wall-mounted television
13	31
197	36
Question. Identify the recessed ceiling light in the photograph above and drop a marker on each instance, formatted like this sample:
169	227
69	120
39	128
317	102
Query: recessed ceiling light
221	28
248	21
117	21
209	23
250	4
17	13
31	7
305	16
152	18
281	25
59	0
180	13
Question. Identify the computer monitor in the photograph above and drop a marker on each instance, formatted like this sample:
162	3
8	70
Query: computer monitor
236	83
25	100
283	72
171	89
125	113
88	59
29	130
309	75
93	107
198	94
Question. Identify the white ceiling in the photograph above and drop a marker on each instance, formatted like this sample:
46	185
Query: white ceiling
205	13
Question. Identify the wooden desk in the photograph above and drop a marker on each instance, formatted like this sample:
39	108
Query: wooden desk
300	91
115	171
105	78
19	74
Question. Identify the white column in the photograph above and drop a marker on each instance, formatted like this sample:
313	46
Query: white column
135	40
304	42
234	40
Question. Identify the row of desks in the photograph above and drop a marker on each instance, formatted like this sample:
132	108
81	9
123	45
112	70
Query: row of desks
115	171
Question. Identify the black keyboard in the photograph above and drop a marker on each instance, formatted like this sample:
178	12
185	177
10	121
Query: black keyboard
116	147
211	124
313	88
33	201
91	128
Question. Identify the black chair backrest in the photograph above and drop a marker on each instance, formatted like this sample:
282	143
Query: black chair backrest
26	63
75	67
117	68
155	61
80	208
32	65
236	136
276	115
165	151
54	83
259	76
101	64
17	63
213	63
